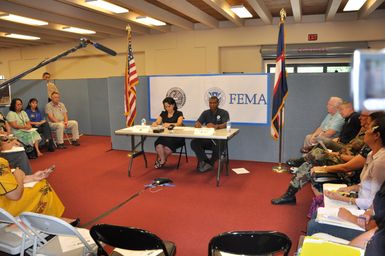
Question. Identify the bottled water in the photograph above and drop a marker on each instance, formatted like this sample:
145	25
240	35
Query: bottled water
228	126
143	121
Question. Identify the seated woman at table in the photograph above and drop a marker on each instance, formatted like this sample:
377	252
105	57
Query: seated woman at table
164	146
21	125
15	198
38	121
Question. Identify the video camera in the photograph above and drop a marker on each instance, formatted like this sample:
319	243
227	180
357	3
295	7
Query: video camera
368	80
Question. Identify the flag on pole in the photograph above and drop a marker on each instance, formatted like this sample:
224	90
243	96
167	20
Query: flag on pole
130	81
280	86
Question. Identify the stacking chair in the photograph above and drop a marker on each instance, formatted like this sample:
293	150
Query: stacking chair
129	238
67	136
10	240
68	241
181	152
250	243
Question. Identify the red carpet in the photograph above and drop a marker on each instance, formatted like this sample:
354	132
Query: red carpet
90	181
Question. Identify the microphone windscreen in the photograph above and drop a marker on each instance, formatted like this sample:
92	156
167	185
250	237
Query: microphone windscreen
104	49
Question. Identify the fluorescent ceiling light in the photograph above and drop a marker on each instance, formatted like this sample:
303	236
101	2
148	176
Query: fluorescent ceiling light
24	37
24	20
149	21
107	6
354	5
78	30
241	11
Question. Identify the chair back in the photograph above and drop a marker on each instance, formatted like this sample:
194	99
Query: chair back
53	226
250	243
12	243
128	238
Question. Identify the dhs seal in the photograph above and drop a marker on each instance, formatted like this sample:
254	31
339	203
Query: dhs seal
178	95
217	92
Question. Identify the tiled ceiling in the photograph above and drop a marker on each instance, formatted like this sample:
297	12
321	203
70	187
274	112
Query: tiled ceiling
178	15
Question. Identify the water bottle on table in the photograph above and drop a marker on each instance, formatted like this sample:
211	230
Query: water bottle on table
228	126
143	122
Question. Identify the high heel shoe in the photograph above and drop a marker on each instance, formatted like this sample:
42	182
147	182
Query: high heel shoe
158	164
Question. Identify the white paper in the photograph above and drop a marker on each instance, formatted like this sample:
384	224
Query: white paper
30	130
125	252
330	216
240	170
13	149
30	184
69	243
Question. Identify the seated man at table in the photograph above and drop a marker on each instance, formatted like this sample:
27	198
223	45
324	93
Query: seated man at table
213	118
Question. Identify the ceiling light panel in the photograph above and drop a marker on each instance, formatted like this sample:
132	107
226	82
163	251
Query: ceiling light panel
78	30
23	37
150	21
23	20
241	11
107	6
354	5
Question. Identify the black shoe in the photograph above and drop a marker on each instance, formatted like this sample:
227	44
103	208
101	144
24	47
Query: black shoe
295	162
61	146
75	143
284	200
75	223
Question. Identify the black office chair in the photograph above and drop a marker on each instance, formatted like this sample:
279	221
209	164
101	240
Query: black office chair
250	243
129	238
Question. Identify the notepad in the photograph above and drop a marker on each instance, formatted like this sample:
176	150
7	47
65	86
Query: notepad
330	216
318	247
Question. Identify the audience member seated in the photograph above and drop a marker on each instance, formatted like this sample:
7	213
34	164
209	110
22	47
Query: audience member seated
11	149
51	87
16	198
164	146
38	121
340	153
58	121
330	126
216	118
21	126
372	221
351	130
371	177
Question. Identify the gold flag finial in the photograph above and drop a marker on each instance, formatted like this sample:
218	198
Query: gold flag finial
282	13
128	28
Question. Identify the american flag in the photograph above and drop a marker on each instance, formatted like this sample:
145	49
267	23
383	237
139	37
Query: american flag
280	86
130	81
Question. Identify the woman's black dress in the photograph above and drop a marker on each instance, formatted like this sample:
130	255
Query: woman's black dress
172	143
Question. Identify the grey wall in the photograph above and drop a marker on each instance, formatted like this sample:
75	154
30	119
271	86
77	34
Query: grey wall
97	104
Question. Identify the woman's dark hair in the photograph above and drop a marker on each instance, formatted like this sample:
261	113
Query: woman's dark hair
170	101
13	104
377	114
379	207
29	103
378	125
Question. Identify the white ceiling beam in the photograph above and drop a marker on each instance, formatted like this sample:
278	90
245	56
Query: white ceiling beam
223	8
56	12
154	11
191	11
262	11
368	8
332	9
297	11
129	18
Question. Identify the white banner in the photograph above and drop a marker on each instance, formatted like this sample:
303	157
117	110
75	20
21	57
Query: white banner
245	97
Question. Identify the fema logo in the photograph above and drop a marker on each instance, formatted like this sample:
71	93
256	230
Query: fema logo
217	92
178	95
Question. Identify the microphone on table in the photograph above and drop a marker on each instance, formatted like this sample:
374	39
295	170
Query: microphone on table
85	41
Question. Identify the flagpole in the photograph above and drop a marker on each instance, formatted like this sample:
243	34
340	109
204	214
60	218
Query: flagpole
280	168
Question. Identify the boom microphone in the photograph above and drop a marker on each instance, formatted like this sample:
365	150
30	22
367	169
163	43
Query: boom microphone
99	46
